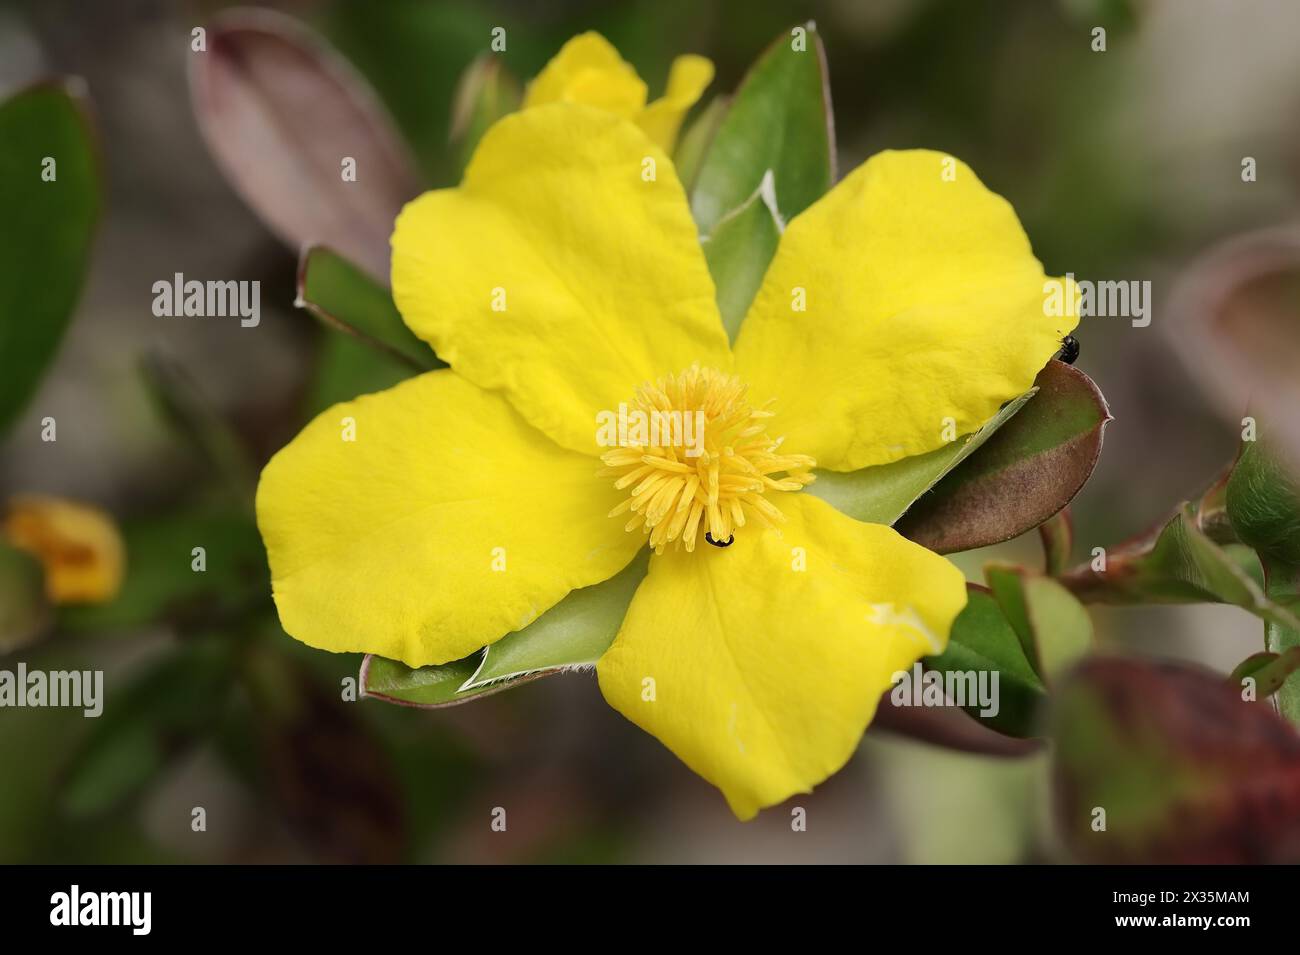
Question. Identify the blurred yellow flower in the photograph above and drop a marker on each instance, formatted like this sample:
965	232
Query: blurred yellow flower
78	546
589	70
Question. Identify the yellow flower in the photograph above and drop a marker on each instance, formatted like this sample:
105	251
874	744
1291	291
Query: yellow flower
589	70
558	285
78	546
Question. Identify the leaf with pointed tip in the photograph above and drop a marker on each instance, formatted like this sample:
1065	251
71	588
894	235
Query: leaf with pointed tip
573	633
1180	565
47	228
779	120
347	300
738	251
1185	771
429	687
283	114
576	632
1026	473
983	641
882	494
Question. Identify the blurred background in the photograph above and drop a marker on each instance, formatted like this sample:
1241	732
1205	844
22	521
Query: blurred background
1123	165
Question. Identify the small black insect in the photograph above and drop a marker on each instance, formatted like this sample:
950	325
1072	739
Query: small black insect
729	541
1069	349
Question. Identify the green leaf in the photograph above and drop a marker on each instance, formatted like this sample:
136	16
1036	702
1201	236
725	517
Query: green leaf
738	251
430	687
983	640
882	494
485	92
345	299
1185	771
1026	473
574	633
161	582
157	716
1263	503
1054	629
346	368
779	120
46	236
1268	670
697	139
1179	565
24	610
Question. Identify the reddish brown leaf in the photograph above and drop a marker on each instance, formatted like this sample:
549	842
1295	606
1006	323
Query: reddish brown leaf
281	112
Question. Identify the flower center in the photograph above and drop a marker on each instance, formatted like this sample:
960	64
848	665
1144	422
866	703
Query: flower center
697	460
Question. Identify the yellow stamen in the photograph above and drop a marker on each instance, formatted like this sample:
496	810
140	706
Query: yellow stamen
687	484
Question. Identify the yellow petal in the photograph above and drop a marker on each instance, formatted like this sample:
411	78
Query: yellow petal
762	676
687	80
445	523
923	301
589	70
78	546
557	273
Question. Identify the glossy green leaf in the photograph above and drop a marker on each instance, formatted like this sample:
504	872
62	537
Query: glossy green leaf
1184	770
49	202
779	120
738	251
161	582
572	634
1024	474
346	299
881	495
982	640
485	92
24	610
1054	629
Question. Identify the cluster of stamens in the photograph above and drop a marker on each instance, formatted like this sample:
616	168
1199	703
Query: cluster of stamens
713	483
